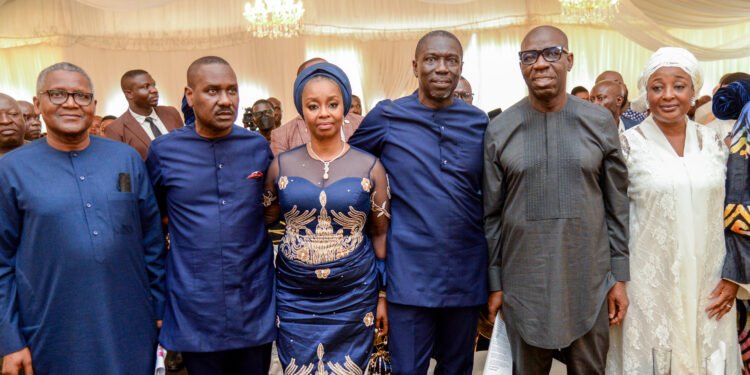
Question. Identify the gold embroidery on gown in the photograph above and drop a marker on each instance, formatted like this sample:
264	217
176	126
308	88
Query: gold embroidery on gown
349	367
323	245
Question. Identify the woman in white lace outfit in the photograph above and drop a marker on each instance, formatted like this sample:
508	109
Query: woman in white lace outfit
676	169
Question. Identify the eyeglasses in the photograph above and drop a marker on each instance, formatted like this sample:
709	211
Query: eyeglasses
268	112
58	97
463	95
550	54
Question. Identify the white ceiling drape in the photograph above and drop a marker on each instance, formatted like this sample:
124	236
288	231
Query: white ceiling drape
167	25
124	4
373	41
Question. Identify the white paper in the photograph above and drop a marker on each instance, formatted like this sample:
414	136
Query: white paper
499	359
717	360
161	355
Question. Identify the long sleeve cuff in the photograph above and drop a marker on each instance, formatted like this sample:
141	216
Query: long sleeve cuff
621	269
743	292
159	307
11	341
495	279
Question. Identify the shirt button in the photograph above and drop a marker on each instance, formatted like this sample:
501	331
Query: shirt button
445	162
82	178
223	202
442	127
88	205
95	233
221	165
75	154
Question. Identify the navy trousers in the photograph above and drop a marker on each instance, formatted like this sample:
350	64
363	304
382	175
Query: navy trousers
246	361
417	333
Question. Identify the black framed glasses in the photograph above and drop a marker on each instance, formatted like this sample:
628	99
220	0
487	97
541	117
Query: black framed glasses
550	54
268	112
463	95
58	97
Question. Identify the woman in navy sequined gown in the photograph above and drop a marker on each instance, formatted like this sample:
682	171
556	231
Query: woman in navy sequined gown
334	199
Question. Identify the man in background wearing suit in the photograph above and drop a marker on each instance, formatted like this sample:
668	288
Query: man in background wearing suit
144	120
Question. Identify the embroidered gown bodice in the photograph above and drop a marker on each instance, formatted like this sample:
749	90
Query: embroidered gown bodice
326	277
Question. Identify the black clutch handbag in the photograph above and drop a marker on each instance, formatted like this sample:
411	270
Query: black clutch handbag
380	360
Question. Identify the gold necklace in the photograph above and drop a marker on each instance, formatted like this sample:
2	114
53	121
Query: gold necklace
326	164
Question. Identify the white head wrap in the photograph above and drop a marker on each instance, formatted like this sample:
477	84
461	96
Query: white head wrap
672	57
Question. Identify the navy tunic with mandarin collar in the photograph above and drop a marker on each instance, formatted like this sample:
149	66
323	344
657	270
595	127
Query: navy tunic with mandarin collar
437	252
81	262
220	277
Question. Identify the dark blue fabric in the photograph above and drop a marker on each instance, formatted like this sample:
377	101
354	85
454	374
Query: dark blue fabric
437	252
332	315
220	282
81	263
327	70
418	334
728	101
246	361
187	112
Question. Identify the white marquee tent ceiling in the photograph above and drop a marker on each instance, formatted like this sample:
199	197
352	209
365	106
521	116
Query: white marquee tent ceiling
197	24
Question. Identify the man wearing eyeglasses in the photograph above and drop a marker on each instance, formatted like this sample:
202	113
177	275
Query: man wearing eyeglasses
145	119
463	91
262	118
556	217
81	248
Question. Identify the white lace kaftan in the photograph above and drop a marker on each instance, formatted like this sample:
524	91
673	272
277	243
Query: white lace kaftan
676	252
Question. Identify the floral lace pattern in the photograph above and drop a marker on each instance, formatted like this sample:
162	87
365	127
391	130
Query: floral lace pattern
666	299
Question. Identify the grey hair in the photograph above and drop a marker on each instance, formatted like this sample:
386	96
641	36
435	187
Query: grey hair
66	66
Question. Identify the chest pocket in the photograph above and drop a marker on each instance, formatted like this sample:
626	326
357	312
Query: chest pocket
122	212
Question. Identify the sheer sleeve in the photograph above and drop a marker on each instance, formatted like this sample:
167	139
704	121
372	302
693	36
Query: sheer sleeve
271	205
380	215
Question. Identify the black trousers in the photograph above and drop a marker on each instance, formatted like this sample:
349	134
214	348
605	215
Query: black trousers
584	356
246	361
418	333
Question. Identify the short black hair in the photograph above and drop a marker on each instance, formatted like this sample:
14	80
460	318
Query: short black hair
130	74
205	60
109	117
435	34
578	89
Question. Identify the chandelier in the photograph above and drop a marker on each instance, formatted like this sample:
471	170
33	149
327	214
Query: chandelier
589	11
274	18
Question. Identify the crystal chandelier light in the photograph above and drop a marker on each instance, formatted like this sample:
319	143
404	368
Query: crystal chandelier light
274	18
589	11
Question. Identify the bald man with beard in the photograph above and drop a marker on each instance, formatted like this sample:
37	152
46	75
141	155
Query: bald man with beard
12	126
294	133
555	217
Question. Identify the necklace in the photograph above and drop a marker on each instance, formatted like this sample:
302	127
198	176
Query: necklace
326	164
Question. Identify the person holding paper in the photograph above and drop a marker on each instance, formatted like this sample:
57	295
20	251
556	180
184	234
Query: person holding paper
556	216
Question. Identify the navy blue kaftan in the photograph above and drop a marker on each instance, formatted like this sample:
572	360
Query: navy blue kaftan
81	263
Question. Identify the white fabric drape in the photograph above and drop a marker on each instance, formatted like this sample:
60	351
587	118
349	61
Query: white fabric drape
645	25
124	5
165	39
378	68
